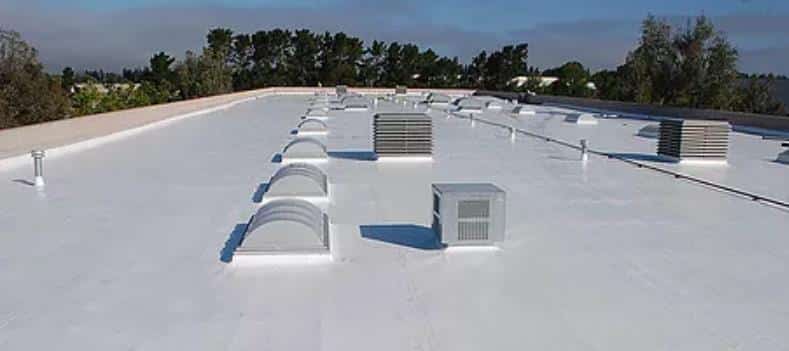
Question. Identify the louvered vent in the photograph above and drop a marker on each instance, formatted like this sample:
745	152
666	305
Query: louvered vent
473	217
694	140
468	214
403	134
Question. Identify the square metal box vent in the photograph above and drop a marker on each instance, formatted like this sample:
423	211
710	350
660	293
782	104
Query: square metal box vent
468	214
693	140
403	135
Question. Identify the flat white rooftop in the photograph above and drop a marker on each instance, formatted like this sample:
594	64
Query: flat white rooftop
127	245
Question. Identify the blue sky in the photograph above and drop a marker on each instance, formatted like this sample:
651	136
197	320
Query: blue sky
110	34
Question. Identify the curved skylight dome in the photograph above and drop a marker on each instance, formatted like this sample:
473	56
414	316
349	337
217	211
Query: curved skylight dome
468	104
651	131
581	118
436	98
493	105
783	157
316	113
524	110
304	148
286	226
298	179
313	126
355	102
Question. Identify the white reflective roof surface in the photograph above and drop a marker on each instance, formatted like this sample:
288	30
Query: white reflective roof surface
126	247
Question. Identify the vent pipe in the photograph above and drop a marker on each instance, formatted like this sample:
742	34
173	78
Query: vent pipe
38	167
584	151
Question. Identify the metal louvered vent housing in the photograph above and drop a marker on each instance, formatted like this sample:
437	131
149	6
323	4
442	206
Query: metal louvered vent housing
694	140
403	134
468	214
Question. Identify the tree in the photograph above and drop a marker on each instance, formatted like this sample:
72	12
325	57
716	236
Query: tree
161	70
573	80
220	42
27	94
755	96
67	79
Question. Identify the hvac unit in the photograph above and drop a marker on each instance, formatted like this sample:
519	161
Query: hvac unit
694	140
468	213
401	90
341	90
403	135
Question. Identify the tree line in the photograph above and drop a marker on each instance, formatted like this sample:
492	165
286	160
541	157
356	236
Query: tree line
694	66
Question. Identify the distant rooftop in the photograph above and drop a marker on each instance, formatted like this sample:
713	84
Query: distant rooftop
130	245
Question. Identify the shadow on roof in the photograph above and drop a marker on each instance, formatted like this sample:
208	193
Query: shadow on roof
24	181
408	235
233	241
641	157
354	155
257	197
277	158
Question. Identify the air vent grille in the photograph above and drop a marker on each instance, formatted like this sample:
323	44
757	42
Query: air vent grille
691	139
472	230
474	209
403	134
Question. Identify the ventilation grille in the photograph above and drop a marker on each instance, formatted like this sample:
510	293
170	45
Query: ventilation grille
403	134
472	231
473	219
685	139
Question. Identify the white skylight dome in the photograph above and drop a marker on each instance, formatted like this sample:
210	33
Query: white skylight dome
286	226
304	149
298	180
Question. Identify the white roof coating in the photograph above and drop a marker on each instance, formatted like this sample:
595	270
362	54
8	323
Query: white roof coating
127	245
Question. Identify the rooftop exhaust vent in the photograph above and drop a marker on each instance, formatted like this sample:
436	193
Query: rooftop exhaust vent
341	90
286	226
313	126
298	179
581	118
304	148
694	140
403	134
401	90
523	110
468	214
651	131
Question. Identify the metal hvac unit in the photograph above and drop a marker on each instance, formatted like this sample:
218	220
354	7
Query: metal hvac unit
694	140
401	90
341	90
403	134
468	214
